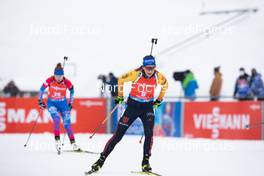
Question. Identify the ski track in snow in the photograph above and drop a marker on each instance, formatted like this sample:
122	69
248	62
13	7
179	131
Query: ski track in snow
170	156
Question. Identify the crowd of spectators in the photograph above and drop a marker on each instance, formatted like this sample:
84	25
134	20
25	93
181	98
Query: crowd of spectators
247	86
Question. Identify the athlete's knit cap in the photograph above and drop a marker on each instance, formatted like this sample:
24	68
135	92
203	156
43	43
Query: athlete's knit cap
149	60
58	70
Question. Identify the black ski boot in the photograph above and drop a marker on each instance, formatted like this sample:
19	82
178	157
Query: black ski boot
145	164
99	163
58	144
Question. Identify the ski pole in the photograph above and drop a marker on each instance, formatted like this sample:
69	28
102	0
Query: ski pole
63	138
254	125
153	41
100	125
64	60
140	141
33	127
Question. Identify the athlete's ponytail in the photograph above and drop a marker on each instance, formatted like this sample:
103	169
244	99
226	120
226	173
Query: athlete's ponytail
139	68
58	66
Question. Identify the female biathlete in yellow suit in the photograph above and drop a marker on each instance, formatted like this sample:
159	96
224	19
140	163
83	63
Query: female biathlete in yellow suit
140	104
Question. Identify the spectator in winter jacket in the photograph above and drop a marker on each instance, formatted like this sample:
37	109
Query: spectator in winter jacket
112	81
216	85
256	84
242	88
11	90
189	85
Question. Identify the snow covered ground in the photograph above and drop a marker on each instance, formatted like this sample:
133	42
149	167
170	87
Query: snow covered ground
171	156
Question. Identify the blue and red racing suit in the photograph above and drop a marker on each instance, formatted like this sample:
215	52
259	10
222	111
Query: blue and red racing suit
57	103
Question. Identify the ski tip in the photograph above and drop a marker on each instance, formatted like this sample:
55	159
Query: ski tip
89	172
146	173
82	151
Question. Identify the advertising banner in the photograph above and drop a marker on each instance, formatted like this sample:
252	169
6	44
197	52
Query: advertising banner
167	120
18	115
222	120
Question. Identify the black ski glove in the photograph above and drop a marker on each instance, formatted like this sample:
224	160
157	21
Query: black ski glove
41	104
156	104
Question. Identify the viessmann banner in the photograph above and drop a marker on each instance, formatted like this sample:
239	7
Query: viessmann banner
223	120
17	115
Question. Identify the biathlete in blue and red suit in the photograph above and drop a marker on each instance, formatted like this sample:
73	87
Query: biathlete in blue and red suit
58	104
140	103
